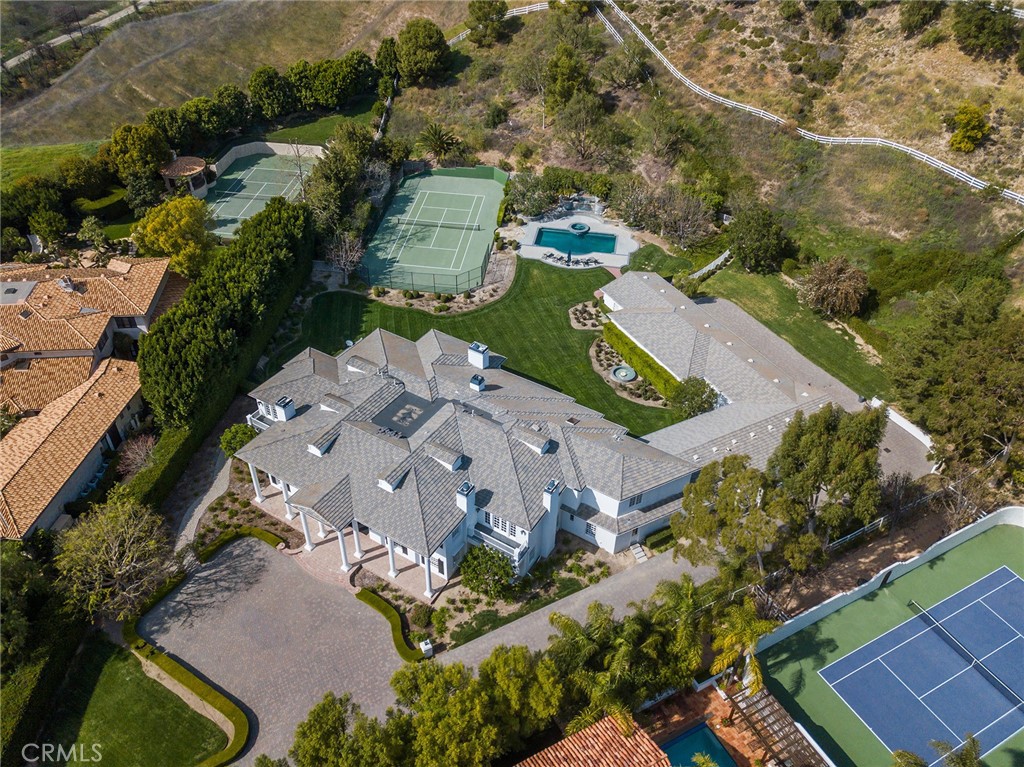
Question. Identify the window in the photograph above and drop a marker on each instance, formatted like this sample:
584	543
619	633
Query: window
513	530
636	500
487	518
265	409
591	530
126	322
439	564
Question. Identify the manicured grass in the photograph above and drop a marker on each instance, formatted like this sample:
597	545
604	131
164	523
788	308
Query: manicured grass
16	162
134	719
529	326
319	130
775	305
651	258
120	228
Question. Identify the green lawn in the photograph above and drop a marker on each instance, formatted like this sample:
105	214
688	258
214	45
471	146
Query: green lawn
121	227
134	719
529	326
651	258
318	131
775	305
16	162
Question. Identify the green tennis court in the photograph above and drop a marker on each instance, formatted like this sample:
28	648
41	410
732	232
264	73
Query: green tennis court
249	182
823	673
437	232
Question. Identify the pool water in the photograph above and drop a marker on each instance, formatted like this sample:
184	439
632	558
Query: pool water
565	241
699	740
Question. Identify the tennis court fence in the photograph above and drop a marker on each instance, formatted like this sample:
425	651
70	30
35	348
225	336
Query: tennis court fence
427	282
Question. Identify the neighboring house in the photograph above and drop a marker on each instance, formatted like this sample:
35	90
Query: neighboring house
761	380
601	745
56	325
51	458
429	447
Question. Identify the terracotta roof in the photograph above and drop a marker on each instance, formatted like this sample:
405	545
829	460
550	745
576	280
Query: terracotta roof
601	745
183	166
33	384
41	453
68	309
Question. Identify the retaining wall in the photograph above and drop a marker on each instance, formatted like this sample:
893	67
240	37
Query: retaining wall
263	147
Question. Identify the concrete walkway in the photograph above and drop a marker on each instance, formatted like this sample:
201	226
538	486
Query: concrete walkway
618	591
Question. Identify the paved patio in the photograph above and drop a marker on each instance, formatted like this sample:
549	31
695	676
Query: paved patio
258	627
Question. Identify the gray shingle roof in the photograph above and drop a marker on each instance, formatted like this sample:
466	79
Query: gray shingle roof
406	413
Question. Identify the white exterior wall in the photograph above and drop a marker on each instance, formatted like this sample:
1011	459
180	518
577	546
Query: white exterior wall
69	492
262	147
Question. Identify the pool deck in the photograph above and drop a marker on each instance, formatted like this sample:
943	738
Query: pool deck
626	245
685	710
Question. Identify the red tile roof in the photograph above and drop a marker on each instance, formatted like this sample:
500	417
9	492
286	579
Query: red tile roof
601	745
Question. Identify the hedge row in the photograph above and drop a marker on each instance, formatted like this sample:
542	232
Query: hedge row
286	234
29	690
642	362
397	636
245	531
110	207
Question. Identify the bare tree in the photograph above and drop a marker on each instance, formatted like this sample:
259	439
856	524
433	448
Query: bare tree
378	179
683	217
298	159
634	200
344	251
134	455
964	497
835	287
899	493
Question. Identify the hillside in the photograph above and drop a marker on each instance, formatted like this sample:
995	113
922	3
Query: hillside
887	85
169	60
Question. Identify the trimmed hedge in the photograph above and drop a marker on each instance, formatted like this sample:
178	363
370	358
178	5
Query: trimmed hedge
642	362
206	553
108	208
28	691
186	678
373	600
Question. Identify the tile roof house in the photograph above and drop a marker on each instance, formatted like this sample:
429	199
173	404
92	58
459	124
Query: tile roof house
601	745
57	324
761	380
429	447
49	458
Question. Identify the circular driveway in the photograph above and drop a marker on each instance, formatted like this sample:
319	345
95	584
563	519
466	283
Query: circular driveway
275	639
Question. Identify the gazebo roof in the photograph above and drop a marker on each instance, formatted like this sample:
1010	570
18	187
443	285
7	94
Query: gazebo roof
183	166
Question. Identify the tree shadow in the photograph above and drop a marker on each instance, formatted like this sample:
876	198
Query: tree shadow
233	570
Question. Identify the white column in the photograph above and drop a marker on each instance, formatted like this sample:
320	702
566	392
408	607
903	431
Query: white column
320	530
393	572
429	593
355	539
305	530
289	512
256	483
344	554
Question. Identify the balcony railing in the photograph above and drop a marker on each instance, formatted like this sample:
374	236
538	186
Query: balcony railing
513	551
258	421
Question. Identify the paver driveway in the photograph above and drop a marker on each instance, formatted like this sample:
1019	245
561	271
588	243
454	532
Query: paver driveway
275	639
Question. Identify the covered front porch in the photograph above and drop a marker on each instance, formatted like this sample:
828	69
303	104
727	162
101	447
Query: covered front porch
333	554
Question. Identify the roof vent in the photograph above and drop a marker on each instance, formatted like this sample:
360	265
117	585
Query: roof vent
551	485
728	343
707	324
466	488
750	360
284	409
65	284
775	380
476	383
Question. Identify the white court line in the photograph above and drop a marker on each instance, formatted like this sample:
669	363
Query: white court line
462	236
455	194
436	231
410	226
821	672
964	671
992	724
242	214
476	222
899	679
460	210
1000	617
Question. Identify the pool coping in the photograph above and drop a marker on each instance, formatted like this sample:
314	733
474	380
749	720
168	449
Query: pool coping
625	243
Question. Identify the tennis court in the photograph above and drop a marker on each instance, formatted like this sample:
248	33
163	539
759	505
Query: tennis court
437	233
932	654
910	685
243	191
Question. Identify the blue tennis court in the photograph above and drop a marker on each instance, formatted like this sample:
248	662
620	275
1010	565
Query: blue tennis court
956	668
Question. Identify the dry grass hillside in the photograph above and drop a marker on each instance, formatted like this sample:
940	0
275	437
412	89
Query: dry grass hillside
887	86
169	60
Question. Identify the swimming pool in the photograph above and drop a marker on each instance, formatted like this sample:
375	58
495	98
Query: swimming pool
578	244
698	740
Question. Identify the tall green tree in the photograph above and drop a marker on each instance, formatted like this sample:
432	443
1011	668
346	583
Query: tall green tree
23	587
201	121
270	93
966	755
758	240
234	107
735	638
386	59
138	150
905	758
524	693
916	16
335	185
48	225
984	28
114	558
567	73
487	571
423	53
300	79
580	124
178	230
336	733
486	22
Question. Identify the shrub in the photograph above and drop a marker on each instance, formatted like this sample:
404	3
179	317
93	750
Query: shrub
377	603
110	207
439	620
971	128
790	267
642	362
441	308
235	437
497	114
465	295
135	454
487	571
206	552
420	615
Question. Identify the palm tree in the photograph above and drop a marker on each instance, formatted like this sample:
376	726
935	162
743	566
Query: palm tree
438	141
735	640
677	608
907	759
969	754
601	692
703	760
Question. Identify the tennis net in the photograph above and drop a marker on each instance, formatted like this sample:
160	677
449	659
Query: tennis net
245	196
437	224
968	656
